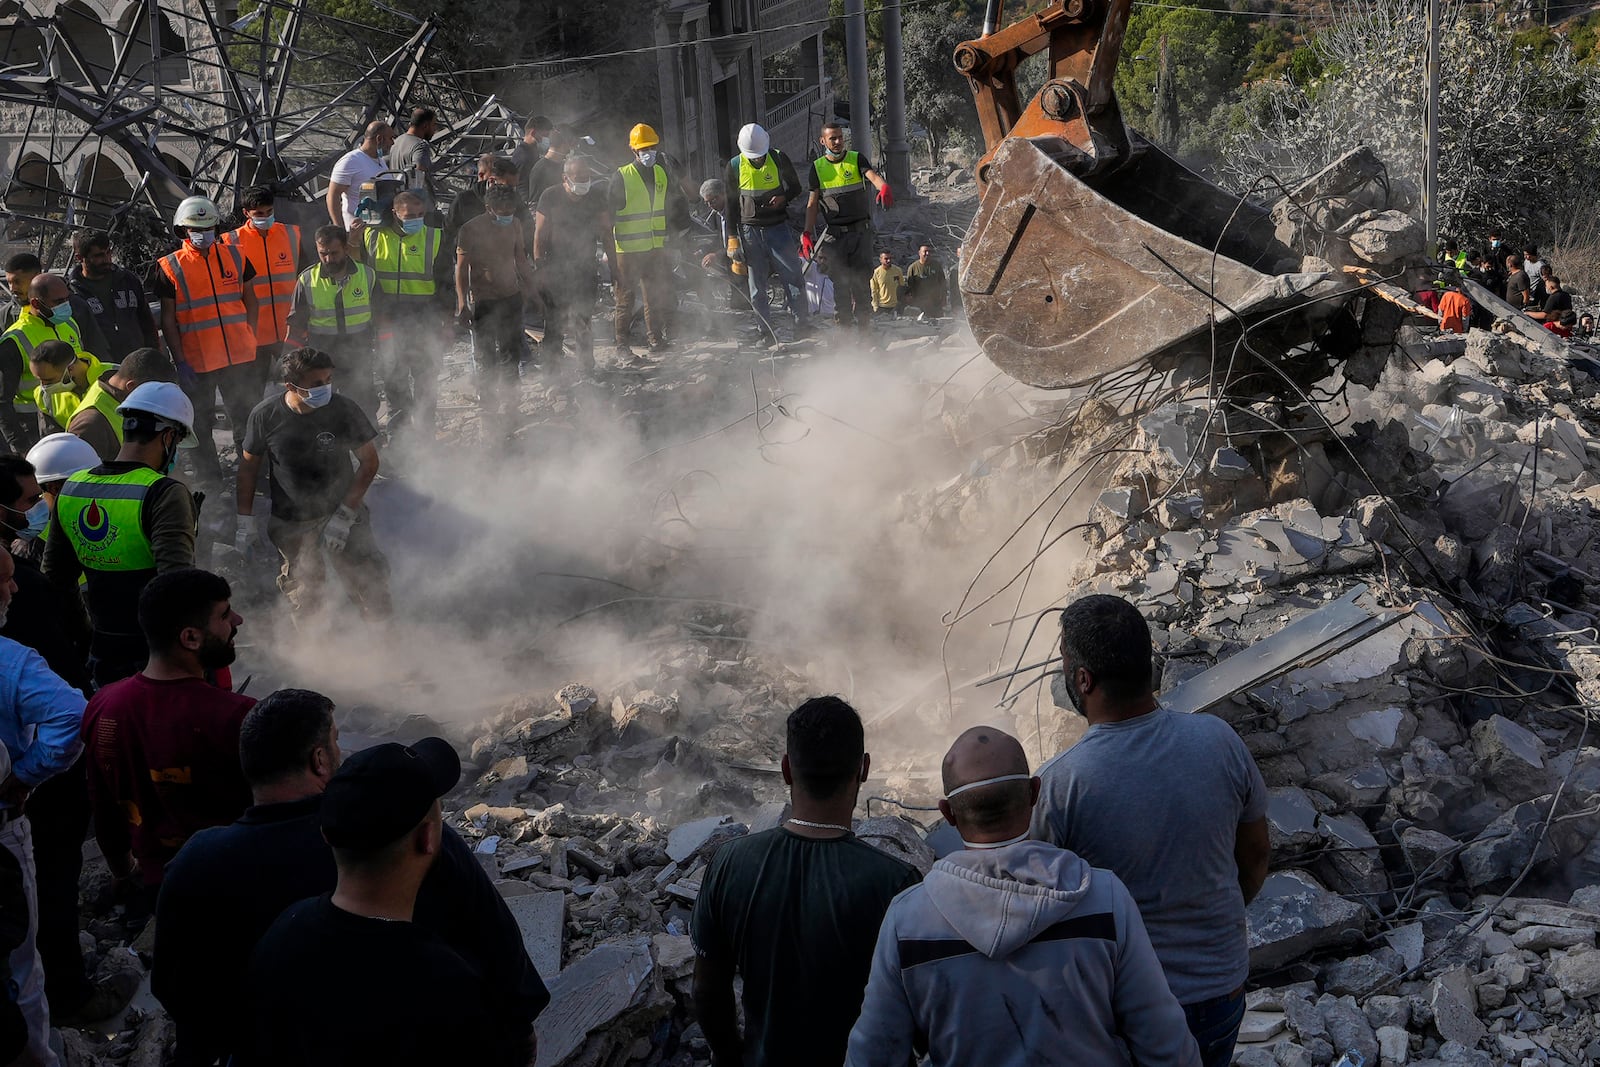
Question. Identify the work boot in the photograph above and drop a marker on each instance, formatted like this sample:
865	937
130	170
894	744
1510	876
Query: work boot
110	995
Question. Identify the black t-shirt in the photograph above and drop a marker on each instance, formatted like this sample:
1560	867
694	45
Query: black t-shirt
843	209
544	174
799	919
573	230
1557	302
309	453
330	989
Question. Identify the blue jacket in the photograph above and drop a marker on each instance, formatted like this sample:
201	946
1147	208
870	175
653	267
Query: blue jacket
1022	956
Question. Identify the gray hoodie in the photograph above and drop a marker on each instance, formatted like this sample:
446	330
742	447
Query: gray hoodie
1023	955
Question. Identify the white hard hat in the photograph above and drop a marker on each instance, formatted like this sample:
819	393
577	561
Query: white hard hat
61	455
753	141
162	399
198	212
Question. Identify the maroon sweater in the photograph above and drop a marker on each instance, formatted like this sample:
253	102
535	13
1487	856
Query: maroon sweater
163	763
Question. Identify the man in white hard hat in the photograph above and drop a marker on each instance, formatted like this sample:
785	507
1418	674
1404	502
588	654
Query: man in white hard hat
122	523
209	312
767	184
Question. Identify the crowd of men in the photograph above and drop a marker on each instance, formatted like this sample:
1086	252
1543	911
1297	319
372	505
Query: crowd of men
1524	280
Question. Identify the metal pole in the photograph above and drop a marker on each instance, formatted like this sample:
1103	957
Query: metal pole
855	44
1430	133
897	153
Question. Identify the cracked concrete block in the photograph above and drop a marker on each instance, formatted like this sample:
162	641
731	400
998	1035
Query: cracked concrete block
1291	818
1453	1003
1394	1046
1513	757
1429	850
1259	1026
542	919
897	836
595	994
1357	976
1386	237
685	840
1294	915
1229	465
1505	846
1545	938
1379	727
1577	973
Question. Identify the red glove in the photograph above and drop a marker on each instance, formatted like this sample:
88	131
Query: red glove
885	195
807	245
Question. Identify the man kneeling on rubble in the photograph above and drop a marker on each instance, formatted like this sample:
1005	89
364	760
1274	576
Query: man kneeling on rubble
1012	951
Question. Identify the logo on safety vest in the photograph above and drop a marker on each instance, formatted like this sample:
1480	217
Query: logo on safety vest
411	249
227	274
358	291
283	257
94	524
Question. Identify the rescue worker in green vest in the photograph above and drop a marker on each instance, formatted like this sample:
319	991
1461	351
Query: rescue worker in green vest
47	316
64	375
1452	256
336	308
642	199
767	184
122	523
839	181
409	258
56	458
96	420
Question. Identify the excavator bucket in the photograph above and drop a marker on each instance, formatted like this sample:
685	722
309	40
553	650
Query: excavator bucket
1065	280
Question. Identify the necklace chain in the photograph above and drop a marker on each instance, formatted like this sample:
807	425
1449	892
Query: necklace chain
820	825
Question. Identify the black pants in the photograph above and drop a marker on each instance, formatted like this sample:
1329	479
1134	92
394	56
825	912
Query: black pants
569	312
846	257
497	346
241	386
409	362
354	367
59	812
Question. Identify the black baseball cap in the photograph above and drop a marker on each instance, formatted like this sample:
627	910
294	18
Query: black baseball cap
380	794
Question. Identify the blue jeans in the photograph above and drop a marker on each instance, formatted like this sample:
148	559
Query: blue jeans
769	249
1215	1026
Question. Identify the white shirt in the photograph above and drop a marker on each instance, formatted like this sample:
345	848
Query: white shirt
353	168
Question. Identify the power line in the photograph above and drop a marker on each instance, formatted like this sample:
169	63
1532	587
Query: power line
1223	11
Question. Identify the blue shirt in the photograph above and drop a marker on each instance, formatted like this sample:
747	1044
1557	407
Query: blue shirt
40	715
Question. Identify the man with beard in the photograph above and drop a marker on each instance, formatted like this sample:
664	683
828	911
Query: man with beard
162	747
113	294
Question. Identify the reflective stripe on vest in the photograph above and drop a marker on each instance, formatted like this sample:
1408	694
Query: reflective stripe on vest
642	223
29	332
274	253
62	406
404	262
212	321
840	177
339	308
96	397
101	516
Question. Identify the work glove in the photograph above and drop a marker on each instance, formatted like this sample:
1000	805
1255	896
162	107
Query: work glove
885	196
244	537
808	247
337	533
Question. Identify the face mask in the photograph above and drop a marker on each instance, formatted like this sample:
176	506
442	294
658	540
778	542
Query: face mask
61	313
542	145
647	157
580	188
263	222
63	386
412	225
835	156
202	239
504	220
317	396
169	456
1494	244
38	518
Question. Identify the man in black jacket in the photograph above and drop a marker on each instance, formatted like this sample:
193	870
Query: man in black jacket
229	884
114	295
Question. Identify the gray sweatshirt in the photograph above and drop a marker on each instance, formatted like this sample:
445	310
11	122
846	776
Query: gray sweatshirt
1018	957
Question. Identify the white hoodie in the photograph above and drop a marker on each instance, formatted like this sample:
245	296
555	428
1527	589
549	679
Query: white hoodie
1023	955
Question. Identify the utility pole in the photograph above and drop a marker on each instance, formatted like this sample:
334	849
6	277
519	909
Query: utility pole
1430	134
897	153
855	46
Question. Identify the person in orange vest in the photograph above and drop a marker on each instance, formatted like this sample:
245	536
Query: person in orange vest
208	312
273	249
1455	309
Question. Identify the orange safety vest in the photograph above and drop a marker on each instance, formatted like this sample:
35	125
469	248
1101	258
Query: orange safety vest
211	317
274	253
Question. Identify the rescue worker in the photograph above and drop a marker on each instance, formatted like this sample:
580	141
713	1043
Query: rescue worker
839	182
1452	256
639	194
114	296
767	183
273	249
64	376
96	420
21	270
208	311
120	524
407	255
55	459
47	316
335	308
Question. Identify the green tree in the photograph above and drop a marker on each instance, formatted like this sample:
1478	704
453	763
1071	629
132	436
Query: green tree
938	97
1208	54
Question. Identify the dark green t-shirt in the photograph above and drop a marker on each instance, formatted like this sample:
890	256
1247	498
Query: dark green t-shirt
799	919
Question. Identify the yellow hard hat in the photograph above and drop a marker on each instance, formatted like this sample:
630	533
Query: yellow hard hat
642	136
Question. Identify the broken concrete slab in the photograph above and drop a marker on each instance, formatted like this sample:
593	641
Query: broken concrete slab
1291	819
1506	846
542	919
1513	757
899	837
685	840
1455	1008
674	955
1258	1026
1294	915
1578	972
592	994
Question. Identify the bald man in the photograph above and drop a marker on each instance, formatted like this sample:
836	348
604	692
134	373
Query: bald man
1013	952
362	163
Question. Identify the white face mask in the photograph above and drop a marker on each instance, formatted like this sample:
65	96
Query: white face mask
317	396
202	239
835	156
647	157
579	188
57	388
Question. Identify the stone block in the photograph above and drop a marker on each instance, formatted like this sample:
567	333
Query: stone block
1577	973
1294	915
594	995
1357	976
1545	938
1259	1026
542	919
1394	1046
1291	819
1429	850
674	955
1505	846
899	837
1454	1008
1386	237
1386	1010
1513	757
1348	1027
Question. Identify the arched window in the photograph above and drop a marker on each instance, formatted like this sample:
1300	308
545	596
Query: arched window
91	38
21	46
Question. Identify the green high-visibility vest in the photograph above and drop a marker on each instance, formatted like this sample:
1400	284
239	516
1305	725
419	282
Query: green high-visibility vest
101	513
760	179
843	188
642	223
96	397
404	262
339	308
62	406
29	332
